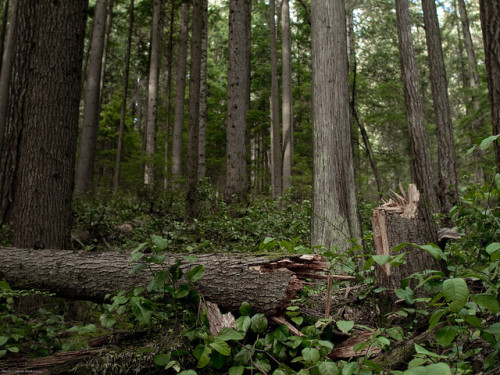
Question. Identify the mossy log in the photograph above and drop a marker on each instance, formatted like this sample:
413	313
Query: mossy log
267	282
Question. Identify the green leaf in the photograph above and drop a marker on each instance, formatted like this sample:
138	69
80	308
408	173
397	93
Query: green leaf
243	323
161	359
494	329
434	250
236	370
221	346
328	368
486	301
181	293
281	333
421	350
492	247
196	273
497	181
227	334
202	353
487	142
137	267
158	281
445	335
396	333
107	321
3	340
456	293
381	259
258	323
245	308
434	369
13	349
297	320
311	356
243	356
345	325
188	372
2	353
350	368
279	372
406	294
160	242
435	317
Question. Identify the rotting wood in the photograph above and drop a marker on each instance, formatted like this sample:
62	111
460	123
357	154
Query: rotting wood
268	284
216	319
346	348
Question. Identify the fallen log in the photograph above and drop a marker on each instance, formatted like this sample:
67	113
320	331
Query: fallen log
267	282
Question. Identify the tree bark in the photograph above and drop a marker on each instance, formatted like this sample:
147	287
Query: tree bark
202	167
397	221
490	24
123	109
90	122
276	157
335	217
192	200
42	121
267	284
180	91
287	99
238	92
168	93
153	82
421	166
447	158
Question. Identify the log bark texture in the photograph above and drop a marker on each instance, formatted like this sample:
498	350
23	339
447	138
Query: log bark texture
267	284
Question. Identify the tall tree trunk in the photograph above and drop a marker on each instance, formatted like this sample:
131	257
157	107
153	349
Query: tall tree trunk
203	97
490	24
180	91
42	117
276	160
123	109
238	89
287	99
5	76
447	158
107	31
168	91
335	215
474	85
3	31
153	82
90	122
192	200
421	160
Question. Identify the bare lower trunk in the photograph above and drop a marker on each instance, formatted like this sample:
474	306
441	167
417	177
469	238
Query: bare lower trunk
268	285
203	99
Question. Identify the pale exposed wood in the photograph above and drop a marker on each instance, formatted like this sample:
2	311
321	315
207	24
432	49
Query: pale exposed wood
292	328
346	348
216	319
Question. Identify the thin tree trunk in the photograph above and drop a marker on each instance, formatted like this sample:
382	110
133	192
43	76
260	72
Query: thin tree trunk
3	31
123	110
447	158
168	91
192	200
335	216
109	16
180	91
90	122
5	76
490	24
421	161
276	156
287	99
238	89
42	117
153	82
202	167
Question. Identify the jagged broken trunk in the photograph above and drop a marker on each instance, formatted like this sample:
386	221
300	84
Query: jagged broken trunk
267	282
403	219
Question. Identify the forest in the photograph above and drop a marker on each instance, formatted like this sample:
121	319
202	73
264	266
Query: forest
250	187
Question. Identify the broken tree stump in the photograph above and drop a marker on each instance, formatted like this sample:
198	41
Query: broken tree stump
267	282
403	219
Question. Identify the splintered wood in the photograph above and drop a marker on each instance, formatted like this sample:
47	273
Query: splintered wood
405	205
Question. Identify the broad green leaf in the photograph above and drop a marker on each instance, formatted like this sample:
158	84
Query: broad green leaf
445	335
396	333
158	281
107	321
434	369
281	333
221	346
13	349
494	329
279	372
259	323
2	353
227	334
328	368
383	341
236	370
497	180
157	258
350	368
406	294
3	340
297	320
196	273
381	259
326	344
181	293
160	242
243	356
486	301
202	353
245	308
137	267
487	142
492	247
435	317
188	372
263	364
456	293
311	356
161	359
345	325
421	350
474	321
434	250
243	323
